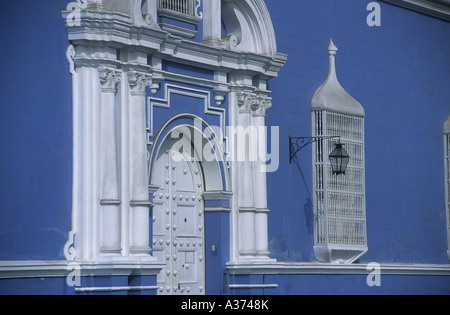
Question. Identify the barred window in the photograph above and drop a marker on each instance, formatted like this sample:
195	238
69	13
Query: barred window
187	11
340	206
184	7
340	234
181	6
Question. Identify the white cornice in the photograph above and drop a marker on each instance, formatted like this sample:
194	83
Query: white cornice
436	8
117	30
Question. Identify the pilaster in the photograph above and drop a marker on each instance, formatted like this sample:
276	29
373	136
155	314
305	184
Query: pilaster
110	236
250	154
139	197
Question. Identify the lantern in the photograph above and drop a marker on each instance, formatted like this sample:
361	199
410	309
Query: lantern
339	159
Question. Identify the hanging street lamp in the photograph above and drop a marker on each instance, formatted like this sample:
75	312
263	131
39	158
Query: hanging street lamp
339	159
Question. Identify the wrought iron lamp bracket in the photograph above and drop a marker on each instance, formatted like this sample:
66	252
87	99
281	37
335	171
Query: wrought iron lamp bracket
298	143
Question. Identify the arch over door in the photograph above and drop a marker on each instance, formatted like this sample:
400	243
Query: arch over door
178	220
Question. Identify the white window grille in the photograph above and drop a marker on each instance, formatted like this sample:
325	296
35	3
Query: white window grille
340	206
340	234
186	7
181	6
186	11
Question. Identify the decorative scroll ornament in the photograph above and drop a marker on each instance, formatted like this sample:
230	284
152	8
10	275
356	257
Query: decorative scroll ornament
197	11
69	248
70	55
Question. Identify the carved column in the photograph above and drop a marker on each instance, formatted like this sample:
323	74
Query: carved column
244	155
260	179
140	205
110	226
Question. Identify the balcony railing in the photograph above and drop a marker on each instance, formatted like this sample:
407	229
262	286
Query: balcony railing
180	6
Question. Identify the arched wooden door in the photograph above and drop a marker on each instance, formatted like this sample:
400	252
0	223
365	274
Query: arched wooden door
178	220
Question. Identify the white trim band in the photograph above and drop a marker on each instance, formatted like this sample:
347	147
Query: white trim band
115	289
294	268
253	286
61	268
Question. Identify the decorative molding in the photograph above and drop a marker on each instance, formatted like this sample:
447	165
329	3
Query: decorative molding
58	269
437	8
217	209
61	268
177	30
247	210
297	268
110	202
217	195
165	102
143	203
118	30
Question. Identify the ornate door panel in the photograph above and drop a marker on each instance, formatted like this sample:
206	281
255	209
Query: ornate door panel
178	227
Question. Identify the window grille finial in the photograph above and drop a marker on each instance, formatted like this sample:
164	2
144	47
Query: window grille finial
446	129
332	49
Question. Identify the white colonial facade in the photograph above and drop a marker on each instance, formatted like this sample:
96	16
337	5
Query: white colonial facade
123	160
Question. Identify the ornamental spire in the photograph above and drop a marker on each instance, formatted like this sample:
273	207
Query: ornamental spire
331	96
332	50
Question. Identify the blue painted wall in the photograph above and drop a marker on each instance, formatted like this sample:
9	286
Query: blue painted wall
35	131
58	286
399	72
342	285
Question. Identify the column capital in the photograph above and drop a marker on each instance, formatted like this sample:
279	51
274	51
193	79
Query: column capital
109	78
246	101
263	105
253	103
139	82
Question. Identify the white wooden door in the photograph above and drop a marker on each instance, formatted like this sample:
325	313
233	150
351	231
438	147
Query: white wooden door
178	222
